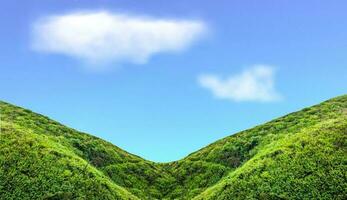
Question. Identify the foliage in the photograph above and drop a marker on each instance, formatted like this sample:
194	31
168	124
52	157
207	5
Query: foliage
302	155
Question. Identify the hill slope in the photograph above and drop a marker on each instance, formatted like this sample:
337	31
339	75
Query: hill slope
300	155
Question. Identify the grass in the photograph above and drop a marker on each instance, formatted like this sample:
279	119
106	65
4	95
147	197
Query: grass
302	155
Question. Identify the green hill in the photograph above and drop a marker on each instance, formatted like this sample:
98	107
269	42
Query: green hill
302	155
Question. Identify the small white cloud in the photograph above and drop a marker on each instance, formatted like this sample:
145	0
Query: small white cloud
253	84
103	37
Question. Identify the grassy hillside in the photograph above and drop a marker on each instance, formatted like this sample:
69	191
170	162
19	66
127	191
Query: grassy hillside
68	162
301	155
237	154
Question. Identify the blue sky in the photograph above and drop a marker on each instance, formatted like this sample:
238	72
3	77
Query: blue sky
192	72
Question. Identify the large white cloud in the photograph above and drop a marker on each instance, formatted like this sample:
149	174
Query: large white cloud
102	37
253	84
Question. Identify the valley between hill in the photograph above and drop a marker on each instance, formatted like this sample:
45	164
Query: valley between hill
302	155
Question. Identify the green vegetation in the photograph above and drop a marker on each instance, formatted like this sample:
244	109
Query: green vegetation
299	156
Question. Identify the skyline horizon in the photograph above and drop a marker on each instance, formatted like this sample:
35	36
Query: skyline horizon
187	154
164	79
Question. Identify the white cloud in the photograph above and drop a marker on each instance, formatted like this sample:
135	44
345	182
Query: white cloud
103	37
253	84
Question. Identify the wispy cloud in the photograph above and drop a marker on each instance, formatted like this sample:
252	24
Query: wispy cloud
253	84
103	37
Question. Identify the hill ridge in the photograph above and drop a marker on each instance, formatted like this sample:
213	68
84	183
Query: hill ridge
106	171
